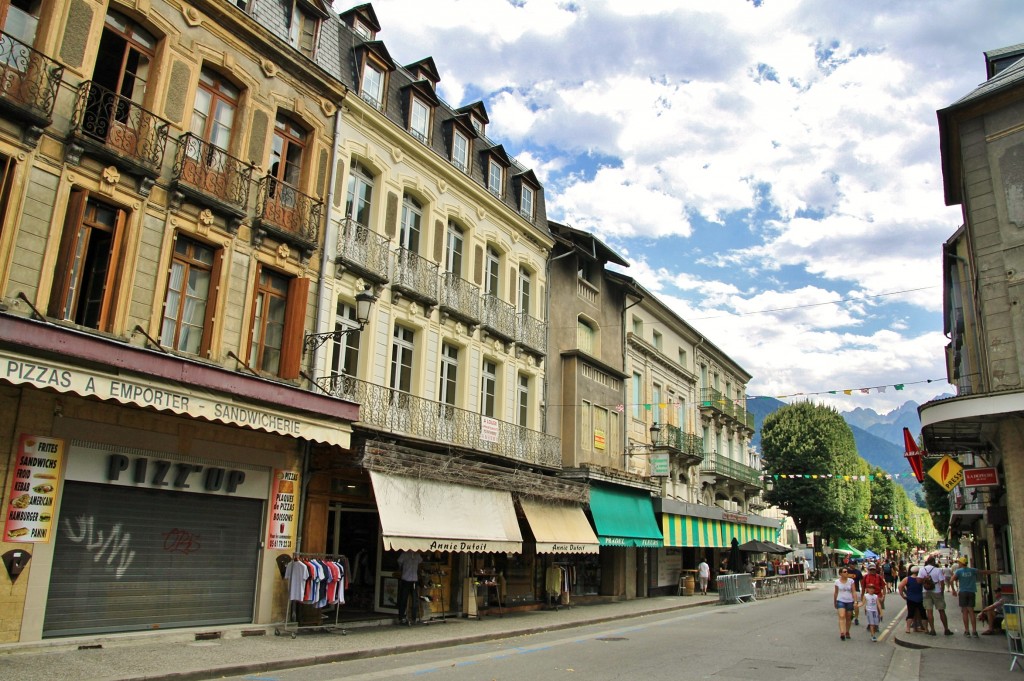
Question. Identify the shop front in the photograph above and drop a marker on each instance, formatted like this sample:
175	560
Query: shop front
693	532
627	532
146	502
565	551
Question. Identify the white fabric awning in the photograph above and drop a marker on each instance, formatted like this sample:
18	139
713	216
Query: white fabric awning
427	515
560	528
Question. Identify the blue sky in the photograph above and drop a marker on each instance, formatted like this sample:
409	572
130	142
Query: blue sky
769	168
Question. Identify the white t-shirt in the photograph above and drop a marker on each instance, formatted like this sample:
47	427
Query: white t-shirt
845	594
703	570
410	561
935	573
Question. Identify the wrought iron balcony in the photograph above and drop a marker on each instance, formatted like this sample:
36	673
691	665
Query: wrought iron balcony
533	334
725	467
414	277
288	215
460	299
688	445
116	129
362	251
397	412
499	318
715	401
211	177
28	84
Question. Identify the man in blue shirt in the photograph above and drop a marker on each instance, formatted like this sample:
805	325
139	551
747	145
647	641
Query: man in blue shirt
965	580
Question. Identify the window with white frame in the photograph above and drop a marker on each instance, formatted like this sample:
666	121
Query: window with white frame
419	120
402	359
492	280
360	192
525	284
345	353
526	202
454	243
372	89
657	340
448	390
495	177
412	217
523	401
638	327
460	151
488	388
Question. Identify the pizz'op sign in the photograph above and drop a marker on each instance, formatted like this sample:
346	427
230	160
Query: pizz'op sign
947	472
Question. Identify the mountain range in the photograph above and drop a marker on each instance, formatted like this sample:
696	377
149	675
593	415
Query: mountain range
879	437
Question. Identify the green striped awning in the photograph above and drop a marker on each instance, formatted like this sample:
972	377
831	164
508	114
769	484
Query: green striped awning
689	531
624	517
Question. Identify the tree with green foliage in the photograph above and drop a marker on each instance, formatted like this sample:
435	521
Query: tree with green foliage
806	439
937	502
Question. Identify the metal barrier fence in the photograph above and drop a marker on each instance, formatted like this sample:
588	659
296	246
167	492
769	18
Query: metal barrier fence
735	588
770	587
828	574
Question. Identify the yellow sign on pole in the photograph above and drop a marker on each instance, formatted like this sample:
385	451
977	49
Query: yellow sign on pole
947	472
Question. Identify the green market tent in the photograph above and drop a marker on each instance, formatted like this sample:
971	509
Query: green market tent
843	546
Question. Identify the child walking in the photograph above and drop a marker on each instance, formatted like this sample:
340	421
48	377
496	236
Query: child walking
870	602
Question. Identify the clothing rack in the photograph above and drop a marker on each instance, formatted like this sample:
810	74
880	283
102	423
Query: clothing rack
316	594
555	599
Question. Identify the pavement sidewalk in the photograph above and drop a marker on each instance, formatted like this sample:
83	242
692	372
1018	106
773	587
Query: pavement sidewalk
187	655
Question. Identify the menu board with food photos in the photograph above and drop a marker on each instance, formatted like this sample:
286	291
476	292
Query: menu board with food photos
34	487
284	510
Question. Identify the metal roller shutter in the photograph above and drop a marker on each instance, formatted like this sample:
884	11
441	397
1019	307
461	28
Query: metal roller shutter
131	559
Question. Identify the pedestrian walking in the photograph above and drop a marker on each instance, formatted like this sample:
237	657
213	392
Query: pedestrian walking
889	575
872	614
874	579
703	575
856	575
844	596
965	579
911	590
934	585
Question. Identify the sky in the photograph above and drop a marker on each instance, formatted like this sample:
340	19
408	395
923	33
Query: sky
770	168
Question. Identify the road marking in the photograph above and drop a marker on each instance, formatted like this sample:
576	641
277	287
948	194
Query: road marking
893	621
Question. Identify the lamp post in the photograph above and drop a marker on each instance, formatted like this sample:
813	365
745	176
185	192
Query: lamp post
364	303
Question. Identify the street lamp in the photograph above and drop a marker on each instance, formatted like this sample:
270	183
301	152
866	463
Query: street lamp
655	434
364	302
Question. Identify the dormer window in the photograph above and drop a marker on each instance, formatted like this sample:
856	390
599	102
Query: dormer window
526	202
372	89
478	125
419	120
362	30
460	151
495	177
303	31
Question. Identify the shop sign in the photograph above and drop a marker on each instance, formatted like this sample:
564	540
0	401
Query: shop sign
153	394
283	510
947	472
174	474
659	465
599	440
34	487
734	517
488	429
981	477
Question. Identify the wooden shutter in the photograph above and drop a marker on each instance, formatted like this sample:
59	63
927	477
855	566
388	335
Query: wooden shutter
115	273
69	237
391	215
294	328
478	266
211	302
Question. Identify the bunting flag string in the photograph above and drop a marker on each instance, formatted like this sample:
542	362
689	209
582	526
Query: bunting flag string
829	476
850	391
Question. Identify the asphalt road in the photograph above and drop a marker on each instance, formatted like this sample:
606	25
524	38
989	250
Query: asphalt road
784	639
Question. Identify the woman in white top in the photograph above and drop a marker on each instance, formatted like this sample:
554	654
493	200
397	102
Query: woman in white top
843	597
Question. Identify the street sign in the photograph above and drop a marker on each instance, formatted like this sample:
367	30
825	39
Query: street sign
659	465
981	477
947	472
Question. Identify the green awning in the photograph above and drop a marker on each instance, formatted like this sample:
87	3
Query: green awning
624	517
682	530
843	546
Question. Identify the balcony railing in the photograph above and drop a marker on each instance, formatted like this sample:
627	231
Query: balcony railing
721	465
363	251
717	401
211	175
288	213
687	443
499	318
414	277
533	334
28	81
115	127
460	298
398	412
